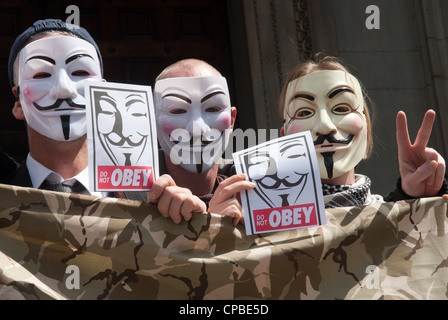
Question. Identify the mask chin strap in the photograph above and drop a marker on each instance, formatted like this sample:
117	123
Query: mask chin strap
17	95
285	126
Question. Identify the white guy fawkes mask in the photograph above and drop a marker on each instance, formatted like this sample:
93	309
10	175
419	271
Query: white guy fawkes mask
51	75
193	120
330	104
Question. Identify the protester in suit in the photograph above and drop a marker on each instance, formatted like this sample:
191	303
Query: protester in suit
47	67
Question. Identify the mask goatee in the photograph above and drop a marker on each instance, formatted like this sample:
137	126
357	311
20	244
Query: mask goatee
328	161
65	121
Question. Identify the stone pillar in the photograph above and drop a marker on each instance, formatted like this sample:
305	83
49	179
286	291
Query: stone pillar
433	32
278	37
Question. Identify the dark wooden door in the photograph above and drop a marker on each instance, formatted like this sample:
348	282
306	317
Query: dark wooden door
137	40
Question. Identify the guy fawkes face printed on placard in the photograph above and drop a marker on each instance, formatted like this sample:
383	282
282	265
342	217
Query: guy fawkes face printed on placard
276	184
122	124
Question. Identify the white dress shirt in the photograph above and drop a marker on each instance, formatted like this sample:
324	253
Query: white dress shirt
39	173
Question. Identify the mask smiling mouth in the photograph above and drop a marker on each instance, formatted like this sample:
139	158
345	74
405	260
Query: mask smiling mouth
58	103
195	142
125	142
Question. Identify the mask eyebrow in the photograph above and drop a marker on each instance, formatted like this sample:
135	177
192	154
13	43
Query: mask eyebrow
177	96
76	56
107	97
48	59
211	95
334	93
288	145
138	98
257	153
303	96
134	95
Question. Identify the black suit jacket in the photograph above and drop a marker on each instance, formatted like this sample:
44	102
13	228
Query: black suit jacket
21	177
8	167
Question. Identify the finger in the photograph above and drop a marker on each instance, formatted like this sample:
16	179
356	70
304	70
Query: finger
187	210
425	129
445	196
192	204
424	174
164	202
439	178
234	210
227	189
402	133
432	156
235	177
159	186
199	205
231	208
175	207
234	189
237	212
232	179
163	205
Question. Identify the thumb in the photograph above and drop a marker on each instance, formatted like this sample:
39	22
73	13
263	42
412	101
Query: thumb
159	186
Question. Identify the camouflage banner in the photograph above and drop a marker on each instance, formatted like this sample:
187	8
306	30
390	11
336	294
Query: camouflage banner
61	246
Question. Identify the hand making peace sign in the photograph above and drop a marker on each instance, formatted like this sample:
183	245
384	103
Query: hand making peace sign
422	169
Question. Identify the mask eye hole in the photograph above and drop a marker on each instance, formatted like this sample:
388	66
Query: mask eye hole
303	113
80	73
41	75
178	111
342	109
213	109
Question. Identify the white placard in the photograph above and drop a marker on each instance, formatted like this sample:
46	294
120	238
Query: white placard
288	189
121	134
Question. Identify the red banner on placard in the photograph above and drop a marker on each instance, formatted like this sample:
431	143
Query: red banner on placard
274	219
125	178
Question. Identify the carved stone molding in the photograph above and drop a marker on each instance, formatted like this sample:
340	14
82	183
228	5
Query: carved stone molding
303	28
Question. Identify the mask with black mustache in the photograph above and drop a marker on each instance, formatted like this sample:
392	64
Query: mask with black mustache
328	156
329	101
61	111
51	75
200	151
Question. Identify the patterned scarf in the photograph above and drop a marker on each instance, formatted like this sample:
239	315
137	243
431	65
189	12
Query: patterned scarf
347	195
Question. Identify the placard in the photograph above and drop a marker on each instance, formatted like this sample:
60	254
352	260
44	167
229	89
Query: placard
288	190
121	134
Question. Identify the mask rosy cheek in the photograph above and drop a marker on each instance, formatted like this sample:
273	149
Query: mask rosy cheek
352	123
168	127
34	92
27	93
295	127
225	121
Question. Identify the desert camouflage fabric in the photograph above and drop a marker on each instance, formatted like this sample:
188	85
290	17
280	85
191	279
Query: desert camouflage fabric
66	246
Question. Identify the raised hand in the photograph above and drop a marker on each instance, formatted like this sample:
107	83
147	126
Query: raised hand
422	169
173	201
224	201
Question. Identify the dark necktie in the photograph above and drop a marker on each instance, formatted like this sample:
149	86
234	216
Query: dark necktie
76	188
127	161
